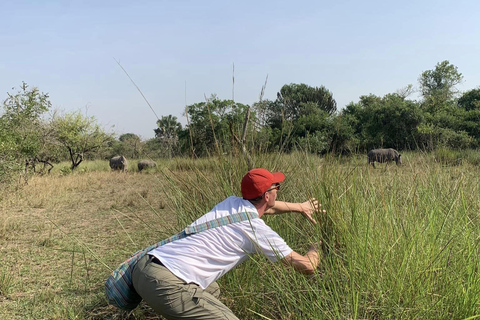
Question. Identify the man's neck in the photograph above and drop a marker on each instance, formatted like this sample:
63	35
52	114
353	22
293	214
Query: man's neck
261	208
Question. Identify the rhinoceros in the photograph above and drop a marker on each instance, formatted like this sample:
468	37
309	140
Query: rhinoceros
119	163
384	155
145	164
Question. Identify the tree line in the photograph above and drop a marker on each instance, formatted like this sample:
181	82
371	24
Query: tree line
301	117
305	117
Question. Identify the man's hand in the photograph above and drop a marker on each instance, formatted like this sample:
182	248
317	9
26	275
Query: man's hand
308	263
309	207
316	246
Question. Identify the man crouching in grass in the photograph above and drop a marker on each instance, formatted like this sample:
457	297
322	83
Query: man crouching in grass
178	279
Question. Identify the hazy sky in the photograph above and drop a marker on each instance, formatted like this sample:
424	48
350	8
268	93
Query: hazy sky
179	51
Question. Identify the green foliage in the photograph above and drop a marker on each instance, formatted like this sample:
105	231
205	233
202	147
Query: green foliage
312	130
296	97
389	121
79	135
301	116
152	149
470	100
168	127
166	135
343	139
438	85
269	113
449	127
65	170
128	136
129	145
316	143
470	124
305	117
23	132
25	105
215	125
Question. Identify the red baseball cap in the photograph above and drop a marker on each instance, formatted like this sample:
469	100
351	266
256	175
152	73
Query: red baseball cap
257	181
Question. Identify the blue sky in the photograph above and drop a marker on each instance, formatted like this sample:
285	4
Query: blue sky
179	51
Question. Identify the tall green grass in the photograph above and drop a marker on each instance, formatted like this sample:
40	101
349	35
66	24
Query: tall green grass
400	242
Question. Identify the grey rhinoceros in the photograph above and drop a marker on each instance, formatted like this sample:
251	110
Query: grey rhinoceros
119	163
384	155
145	164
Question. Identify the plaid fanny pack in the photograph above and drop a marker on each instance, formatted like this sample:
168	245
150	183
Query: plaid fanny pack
119	286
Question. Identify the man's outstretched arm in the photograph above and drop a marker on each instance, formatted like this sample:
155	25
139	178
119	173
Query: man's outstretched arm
306	208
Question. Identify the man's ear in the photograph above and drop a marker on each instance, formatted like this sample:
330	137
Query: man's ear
266	196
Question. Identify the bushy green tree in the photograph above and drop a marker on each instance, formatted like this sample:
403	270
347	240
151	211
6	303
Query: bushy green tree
25	135
295	98
470	100
438	86
301	116
79	136
343	138
389	121
273	125
450	127
471	125
313	129
214	124
22	124
130	145
153	149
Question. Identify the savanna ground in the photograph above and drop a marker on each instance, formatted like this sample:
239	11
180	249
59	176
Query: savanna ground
399	242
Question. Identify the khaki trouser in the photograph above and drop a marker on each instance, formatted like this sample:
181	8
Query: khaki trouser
172	298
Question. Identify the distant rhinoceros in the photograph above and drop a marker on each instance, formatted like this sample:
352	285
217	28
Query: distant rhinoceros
384	155
145	164
119	163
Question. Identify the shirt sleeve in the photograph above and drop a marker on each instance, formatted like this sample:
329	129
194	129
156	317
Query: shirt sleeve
262	239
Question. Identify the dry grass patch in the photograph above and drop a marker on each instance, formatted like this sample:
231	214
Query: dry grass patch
59	235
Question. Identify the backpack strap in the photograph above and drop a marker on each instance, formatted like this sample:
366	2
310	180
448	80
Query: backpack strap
222	221
189	230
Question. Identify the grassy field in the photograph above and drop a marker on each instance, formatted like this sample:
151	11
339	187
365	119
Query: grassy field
399	242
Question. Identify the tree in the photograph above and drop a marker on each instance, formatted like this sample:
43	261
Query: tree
438	85
269	113
22	120
128	136
167	134
470	100
168	127
79	135
300	116
389	121
130	145
215	122
26	105
294	98
24	135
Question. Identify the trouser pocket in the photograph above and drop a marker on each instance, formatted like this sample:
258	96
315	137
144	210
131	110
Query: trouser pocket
197	293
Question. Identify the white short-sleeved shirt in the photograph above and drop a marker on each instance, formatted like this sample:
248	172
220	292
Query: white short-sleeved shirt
205	257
